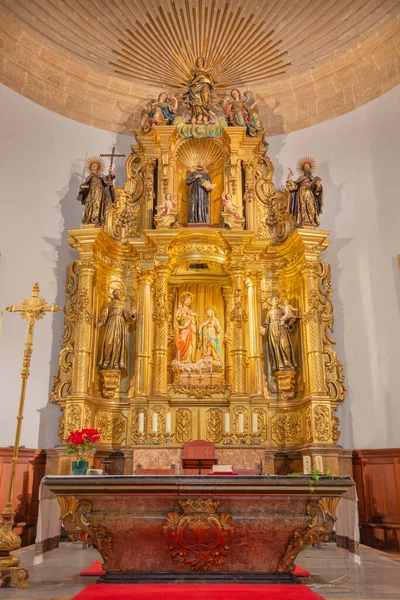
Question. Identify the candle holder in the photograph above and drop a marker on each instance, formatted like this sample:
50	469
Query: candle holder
155	438
140	439
241	439
255	441
227	437
168	437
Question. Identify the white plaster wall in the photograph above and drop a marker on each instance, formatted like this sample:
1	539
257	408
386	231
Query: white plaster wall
42	159
359	162
41	165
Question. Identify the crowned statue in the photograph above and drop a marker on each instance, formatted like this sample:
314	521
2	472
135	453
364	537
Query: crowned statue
200	180
115	317
242	111
97	192
306	194
198	97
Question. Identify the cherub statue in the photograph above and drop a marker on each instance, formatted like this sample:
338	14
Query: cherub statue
97	192
228	205
115	316
167	214
230	216
158	111
289	317
306	194
243	112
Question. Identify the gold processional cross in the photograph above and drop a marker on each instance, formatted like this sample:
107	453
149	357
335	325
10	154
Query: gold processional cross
32	309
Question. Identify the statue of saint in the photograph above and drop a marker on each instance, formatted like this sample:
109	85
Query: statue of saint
243	112
306	192
115	316
96	193
200	181
158	111
186	322
277	325
198	97
209	336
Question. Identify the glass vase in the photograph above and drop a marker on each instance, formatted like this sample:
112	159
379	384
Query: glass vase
80	468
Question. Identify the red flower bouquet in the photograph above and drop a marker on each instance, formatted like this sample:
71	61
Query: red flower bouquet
81	443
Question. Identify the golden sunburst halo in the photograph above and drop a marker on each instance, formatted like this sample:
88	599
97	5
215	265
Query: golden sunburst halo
306	160
95	160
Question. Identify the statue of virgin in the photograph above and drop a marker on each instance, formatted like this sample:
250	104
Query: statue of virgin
209	336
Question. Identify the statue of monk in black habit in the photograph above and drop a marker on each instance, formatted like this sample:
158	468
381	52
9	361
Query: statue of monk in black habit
198	207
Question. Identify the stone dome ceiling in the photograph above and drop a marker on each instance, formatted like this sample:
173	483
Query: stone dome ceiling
94	61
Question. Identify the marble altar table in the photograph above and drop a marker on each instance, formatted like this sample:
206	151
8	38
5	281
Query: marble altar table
187	528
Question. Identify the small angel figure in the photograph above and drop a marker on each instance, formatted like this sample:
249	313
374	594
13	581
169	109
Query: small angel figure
168	206
228	205
243	112
158	111
289	317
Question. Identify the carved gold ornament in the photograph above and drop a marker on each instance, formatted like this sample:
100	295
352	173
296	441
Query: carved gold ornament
200	537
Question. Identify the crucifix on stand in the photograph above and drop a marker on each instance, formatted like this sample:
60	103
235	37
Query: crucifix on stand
32	309
112	156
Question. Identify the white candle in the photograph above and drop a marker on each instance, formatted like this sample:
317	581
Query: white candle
141	423
241	422
227	423
168	422
255	422
318	463
306	465
155	422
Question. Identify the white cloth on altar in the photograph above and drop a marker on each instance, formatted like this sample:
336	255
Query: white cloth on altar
48	525
346	527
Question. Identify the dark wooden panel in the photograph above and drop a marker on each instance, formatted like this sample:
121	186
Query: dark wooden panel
377	477
29	472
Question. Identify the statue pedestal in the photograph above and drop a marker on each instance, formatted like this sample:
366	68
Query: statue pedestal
167	221
231	221
285	381
111	381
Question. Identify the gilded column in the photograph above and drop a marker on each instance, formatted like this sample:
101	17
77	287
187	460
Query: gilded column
161	316
143	336
312	313
228	300
238	317
84	323
256	369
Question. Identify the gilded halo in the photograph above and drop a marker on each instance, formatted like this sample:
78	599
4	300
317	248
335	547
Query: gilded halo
213	308
303	161
186	295
95	160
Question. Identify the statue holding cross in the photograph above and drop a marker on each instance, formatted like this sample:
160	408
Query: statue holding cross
97	191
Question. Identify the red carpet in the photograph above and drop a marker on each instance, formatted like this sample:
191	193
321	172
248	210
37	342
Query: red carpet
95	570
203	591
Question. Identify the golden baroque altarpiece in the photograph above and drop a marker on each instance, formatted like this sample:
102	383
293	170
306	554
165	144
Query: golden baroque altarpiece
199	292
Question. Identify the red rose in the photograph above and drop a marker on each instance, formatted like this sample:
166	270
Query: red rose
75	438
91	435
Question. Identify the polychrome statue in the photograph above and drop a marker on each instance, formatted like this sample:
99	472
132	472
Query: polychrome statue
158	112
115	316
186	323
198	97
209	336
242	111
200	180
96	193
277	325
306	194
167	214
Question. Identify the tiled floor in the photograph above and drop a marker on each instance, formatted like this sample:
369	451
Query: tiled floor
378	577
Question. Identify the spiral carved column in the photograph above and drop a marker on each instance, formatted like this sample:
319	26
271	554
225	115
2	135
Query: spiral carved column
238	318
161	317
228	300
256	374
143	343
84	325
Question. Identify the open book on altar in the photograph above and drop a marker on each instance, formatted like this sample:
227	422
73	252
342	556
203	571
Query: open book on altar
222	470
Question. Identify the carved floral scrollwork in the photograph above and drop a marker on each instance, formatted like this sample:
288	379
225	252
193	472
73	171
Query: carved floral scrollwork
286	429
200	537
322	423
74	418
79	526
214	425
183	425
112	427
323	517
62	382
